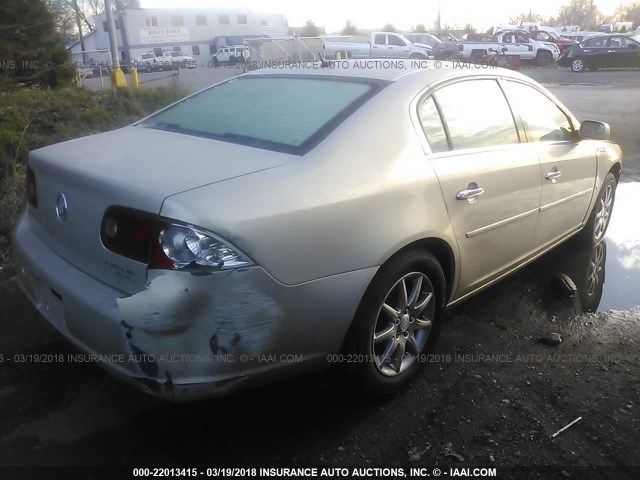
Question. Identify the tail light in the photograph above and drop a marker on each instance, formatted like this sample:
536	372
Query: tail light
30	188
166	244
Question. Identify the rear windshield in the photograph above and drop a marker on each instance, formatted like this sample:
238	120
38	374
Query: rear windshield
288	114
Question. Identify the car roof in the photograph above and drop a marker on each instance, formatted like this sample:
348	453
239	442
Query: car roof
390	70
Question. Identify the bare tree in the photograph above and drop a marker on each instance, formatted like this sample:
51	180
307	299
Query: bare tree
583	13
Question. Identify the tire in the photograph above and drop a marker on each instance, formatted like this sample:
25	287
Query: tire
476	57
397	321
544	59
417	56
577	65
595	229
216	62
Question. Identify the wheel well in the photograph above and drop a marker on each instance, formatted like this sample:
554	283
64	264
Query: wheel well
616	170
443	253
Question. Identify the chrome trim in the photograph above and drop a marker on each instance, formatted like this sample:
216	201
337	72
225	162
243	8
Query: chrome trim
469	193
563	200
486	228
517	266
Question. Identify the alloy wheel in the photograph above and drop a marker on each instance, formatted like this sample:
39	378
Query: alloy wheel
404	323
605	204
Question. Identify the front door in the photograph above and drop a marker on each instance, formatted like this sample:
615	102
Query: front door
568	163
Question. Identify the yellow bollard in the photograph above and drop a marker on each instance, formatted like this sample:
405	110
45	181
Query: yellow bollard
135	82
117	78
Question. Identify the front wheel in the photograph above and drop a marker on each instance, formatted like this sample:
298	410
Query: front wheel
417	56
577	65
596	227
396	322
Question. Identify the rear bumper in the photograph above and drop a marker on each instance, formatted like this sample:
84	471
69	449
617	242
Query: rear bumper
188	336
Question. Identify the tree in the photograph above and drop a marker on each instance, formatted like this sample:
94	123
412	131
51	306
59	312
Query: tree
388	28
310	29
583	13
529	16
31	47
420	28
468	28
629	13
349	29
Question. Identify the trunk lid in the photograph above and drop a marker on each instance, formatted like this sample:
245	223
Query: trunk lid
135	167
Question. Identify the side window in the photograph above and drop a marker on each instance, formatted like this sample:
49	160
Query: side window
543	118
432	126
544	36
477	114
379	39
393	40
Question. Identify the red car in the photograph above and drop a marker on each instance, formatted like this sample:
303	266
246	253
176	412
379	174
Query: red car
546	36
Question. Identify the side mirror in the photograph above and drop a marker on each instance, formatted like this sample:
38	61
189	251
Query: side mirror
595	130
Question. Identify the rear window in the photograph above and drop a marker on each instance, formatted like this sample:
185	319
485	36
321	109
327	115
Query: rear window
285	113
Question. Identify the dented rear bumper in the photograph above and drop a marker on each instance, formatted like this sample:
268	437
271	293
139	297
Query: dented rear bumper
187	335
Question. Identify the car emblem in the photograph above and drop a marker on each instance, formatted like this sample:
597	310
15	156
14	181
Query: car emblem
62	207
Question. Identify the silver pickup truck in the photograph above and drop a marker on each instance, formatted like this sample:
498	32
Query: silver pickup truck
511	42
381	45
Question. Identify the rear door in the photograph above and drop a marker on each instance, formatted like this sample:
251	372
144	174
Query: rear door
489	180
568	163
379	45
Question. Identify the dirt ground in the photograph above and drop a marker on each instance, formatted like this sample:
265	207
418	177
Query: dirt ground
497	388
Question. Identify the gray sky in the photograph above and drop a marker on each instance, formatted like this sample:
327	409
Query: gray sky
403	14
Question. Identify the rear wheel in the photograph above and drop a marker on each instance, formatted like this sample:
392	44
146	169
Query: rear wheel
577	65
544	59
476	57
396	322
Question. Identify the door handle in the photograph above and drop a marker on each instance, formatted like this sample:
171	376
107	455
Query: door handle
553	175
469	193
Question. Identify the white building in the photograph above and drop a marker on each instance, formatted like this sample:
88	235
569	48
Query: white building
196	32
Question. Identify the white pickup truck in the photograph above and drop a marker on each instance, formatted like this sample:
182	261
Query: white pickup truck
511	42
381	45
179	59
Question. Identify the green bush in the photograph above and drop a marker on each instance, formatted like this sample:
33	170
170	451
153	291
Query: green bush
34	118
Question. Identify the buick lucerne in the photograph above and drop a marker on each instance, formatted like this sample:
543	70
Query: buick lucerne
263	225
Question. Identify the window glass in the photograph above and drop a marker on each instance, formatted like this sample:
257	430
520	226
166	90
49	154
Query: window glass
542	117
223	19
432	126
195	49
276	113
393	40
379	39
201	19
544	36
477	114
176	21
595	43
242	19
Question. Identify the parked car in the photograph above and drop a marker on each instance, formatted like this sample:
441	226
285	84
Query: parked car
608	51
179	59
310	219
230	55
447	47
511	42
552	37
381	45
423	38
149	62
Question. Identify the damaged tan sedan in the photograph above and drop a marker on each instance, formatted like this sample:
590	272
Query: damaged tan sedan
284	221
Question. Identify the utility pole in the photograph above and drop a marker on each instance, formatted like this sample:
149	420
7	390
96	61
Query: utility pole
439	25
117	77
123	31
